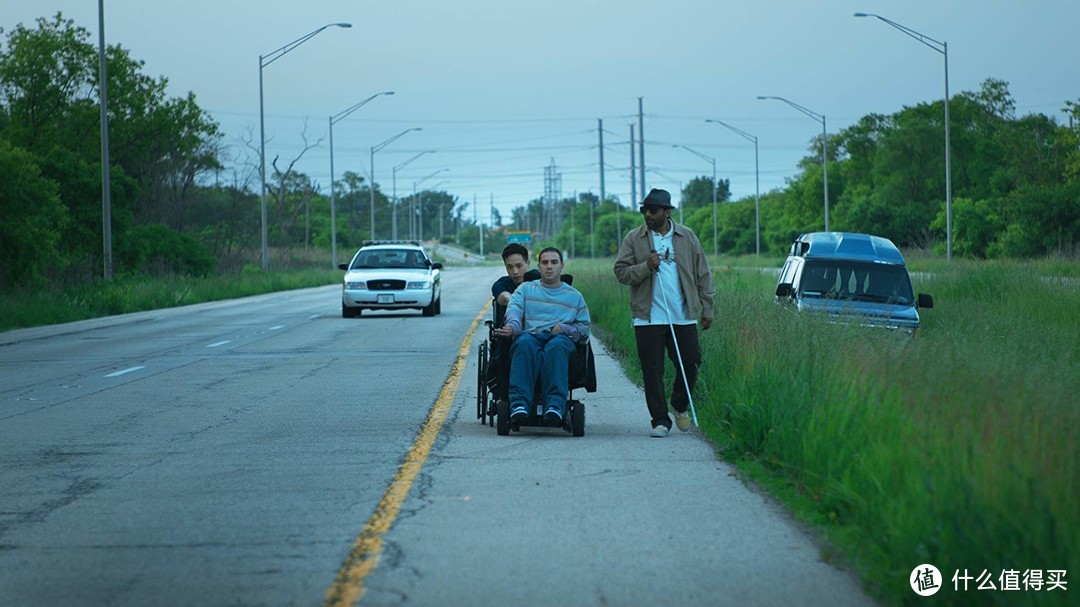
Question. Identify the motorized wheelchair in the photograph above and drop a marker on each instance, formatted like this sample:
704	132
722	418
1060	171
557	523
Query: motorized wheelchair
493	382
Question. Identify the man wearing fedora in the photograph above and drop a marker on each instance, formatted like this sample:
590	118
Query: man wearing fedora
671	287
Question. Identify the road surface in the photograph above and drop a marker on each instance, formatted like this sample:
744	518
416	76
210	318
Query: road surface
233	453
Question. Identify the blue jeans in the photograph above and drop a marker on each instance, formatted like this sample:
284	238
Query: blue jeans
545	356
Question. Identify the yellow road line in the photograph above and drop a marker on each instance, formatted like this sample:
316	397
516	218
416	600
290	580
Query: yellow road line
348	587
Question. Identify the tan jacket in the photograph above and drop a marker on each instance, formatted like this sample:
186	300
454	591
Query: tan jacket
695	277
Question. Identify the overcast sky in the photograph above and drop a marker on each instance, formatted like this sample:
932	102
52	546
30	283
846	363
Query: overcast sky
502	88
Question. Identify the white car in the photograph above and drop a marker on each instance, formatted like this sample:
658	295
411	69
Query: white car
391	275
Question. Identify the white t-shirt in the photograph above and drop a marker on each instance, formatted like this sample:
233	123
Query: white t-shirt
668	278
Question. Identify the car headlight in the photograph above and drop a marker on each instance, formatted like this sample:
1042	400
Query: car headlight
355	285
419	284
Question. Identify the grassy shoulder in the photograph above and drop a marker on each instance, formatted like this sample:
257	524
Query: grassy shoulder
57	304
959	448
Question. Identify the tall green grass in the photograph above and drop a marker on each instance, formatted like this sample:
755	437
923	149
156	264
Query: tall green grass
60	303
958	448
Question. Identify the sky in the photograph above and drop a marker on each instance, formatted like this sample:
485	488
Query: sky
503	89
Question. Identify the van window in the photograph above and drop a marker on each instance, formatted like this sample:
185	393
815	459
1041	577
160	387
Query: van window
857	281
787	274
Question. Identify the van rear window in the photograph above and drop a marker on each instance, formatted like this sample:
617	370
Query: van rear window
856	281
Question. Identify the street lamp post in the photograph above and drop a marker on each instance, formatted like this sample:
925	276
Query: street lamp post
394	232
709	159
333	198
757	181
371	186
420	207
265	60
943	48
824	146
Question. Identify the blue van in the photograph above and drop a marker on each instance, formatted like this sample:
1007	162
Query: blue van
852	279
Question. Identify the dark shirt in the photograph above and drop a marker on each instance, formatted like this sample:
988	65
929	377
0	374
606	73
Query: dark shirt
508	285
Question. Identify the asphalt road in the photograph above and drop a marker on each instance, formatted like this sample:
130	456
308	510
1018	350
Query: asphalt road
231	454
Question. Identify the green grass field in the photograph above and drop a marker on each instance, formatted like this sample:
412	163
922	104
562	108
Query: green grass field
958	448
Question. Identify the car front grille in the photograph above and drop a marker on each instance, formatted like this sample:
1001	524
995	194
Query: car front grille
386	285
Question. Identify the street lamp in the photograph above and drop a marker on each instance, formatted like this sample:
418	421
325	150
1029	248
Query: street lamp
757	181
265	60
371	186
333	199
432	188
394	179
710	159
824	147
420	208
943	48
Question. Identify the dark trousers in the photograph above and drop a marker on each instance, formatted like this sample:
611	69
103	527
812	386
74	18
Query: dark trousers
652	341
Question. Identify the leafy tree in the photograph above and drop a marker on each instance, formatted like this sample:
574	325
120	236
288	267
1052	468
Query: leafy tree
31	219
698	193
157	250
159	147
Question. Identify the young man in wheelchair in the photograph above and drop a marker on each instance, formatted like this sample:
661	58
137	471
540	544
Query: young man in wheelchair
546	319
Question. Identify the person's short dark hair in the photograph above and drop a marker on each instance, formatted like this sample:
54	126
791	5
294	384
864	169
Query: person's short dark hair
515	249
551	250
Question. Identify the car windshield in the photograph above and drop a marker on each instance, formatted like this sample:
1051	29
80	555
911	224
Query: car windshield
856	281
389	258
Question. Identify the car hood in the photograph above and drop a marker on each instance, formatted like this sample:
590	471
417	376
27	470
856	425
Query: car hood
391	274
862	312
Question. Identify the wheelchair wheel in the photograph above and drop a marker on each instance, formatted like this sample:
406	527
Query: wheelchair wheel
481	384
502	417
577	418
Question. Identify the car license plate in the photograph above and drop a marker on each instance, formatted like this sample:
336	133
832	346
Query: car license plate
386	299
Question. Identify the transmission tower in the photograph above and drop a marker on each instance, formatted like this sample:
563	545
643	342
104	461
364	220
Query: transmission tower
552	195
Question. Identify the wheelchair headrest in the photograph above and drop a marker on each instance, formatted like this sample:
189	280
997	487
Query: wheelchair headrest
534	274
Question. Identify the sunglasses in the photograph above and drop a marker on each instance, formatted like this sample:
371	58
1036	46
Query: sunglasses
651	208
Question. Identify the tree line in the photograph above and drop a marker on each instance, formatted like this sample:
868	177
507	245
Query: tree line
1015	182
185	202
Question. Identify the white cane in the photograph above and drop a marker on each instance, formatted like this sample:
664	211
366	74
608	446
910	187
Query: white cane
682	367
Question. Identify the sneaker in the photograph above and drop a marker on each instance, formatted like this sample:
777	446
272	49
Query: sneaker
518	414
659	431
682	421
552	417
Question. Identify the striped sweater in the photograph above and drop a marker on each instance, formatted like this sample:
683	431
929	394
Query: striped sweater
535	308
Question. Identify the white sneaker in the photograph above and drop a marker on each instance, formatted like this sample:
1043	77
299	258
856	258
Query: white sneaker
659	431
682	421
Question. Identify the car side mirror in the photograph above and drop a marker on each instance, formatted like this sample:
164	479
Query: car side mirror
925	300
436	266
783	289
343	266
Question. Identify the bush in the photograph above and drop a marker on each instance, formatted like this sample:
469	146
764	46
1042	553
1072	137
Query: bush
156	250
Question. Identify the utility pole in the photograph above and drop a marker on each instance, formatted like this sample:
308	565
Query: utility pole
633	182
592	226
641	143
573	238
106	195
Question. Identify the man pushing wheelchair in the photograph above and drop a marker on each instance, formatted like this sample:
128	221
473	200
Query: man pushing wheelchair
546	319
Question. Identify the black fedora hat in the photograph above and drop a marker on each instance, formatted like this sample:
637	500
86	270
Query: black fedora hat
658	197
